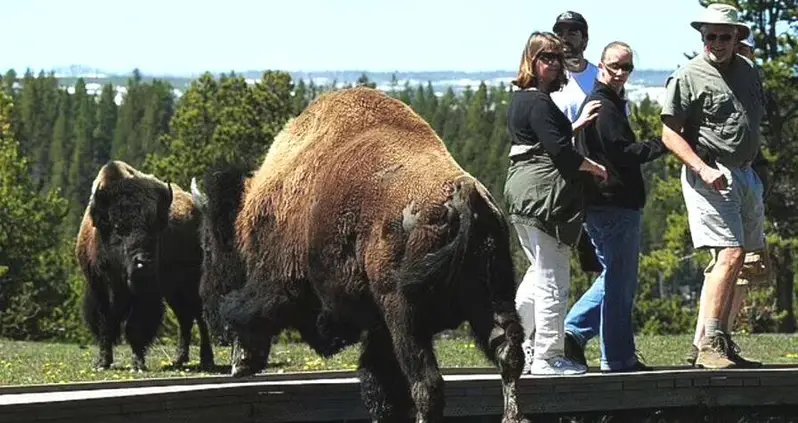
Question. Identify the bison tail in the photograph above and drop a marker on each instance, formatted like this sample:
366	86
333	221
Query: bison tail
438	269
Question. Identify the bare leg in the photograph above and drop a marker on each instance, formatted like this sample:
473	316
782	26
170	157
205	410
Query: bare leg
714	349
740	293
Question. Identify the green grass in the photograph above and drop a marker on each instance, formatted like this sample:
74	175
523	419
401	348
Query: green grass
25	363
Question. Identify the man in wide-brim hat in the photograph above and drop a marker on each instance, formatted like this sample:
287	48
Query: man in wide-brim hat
711	117
722	14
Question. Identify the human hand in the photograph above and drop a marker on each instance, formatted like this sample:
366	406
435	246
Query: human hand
594	169
713	177
589	113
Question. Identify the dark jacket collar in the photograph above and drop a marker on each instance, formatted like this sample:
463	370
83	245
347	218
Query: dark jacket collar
605	91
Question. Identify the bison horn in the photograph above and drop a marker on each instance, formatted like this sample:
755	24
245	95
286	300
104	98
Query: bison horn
199	198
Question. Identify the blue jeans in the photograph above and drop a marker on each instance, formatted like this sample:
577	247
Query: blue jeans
606	307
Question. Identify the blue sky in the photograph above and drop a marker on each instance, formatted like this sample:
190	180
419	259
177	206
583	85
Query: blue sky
182	36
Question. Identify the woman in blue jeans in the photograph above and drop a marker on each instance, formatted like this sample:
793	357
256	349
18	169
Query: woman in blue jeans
612	220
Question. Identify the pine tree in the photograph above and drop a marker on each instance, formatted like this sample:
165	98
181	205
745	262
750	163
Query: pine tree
106	122
82	167
33	269
62	145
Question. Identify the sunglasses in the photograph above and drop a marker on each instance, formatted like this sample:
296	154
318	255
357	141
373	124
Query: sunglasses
549	57
722	37
628	67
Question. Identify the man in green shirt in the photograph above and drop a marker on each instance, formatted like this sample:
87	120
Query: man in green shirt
711	116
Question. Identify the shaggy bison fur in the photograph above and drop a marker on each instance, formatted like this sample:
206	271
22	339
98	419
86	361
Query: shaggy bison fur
222	268
137	245
359	226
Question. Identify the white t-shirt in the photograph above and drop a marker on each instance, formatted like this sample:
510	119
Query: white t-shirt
573	94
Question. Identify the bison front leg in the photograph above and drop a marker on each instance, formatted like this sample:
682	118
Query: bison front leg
251	356
383	387
499	334
146	315
414	351
252	319
104	319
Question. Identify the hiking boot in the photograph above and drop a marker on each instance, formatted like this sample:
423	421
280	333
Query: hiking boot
691	355
734	355
714	352
574	351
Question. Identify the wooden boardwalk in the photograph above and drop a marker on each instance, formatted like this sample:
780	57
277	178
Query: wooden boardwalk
335	396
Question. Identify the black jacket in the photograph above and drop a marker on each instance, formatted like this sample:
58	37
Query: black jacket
610	141
544	187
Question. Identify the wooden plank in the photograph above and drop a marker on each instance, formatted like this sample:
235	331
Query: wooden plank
337	396
201	380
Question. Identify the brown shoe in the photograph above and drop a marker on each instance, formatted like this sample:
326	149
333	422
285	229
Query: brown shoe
713	352
734	355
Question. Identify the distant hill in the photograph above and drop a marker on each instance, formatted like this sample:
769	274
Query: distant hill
642	82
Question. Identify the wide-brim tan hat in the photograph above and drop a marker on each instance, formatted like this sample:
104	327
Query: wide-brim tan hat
722	14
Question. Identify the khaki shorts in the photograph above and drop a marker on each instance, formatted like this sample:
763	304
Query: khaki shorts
733	217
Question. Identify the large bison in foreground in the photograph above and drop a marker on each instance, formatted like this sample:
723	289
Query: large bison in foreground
138	244
360	226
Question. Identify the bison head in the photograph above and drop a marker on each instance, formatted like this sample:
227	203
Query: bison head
130	215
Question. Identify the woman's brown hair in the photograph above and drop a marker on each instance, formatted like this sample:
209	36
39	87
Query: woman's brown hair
537	43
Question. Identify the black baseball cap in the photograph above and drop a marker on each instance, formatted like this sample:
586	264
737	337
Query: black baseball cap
571	18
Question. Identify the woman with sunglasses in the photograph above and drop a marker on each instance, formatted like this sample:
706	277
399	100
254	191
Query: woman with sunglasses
544	191
613	220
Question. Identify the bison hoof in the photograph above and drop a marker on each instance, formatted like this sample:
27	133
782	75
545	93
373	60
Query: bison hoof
178	363
243	370
207	365
138	366
102	363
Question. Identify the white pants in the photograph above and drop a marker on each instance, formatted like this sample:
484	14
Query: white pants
542	296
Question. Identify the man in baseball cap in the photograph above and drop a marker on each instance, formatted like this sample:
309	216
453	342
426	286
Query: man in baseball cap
572	28
570	18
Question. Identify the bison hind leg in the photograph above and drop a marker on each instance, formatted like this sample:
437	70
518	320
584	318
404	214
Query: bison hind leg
187	308
415	353
383	387
206	350
497	329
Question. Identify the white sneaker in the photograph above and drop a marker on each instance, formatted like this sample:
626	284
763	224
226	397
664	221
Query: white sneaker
557	366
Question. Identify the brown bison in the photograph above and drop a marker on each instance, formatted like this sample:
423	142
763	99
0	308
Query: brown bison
360	226
138	244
